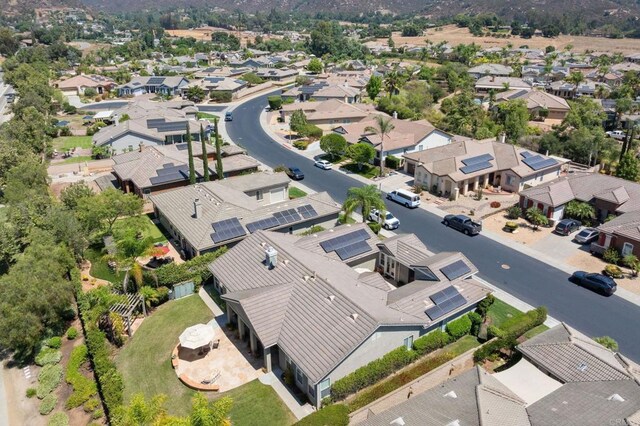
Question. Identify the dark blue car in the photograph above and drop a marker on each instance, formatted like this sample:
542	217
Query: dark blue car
596	282
295	173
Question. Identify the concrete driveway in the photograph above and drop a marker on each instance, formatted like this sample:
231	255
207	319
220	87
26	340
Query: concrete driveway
559	247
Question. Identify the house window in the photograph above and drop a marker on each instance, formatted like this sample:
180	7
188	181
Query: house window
510	180
408	343
299	376
259	195
325	388
382	259
627	248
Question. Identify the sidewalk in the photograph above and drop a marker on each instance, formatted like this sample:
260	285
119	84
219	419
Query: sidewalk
4	410
215	309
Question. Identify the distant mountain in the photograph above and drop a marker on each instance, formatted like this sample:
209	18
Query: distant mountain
15	7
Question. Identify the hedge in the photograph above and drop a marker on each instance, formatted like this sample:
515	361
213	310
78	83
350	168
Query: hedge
392	162
517	325
459	327
194	269
332	415
48	404
109	379
430	342
59	419
49	378
476	322
310	131
83	388
48	356
55	342
490	349
275	102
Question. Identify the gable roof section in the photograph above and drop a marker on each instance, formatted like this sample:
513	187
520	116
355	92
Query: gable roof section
626	225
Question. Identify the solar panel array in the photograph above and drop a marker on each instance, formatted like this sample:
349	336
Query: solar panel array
538	162
526	154
476	167
227	230
445	301
170	173
155	80
478	159
307	211
287	216
348	245
167	126
262	224
455	270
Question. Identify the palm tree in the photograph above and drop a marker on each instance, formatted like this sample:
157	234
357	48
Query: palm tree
575	78
392	82
383	127
366	198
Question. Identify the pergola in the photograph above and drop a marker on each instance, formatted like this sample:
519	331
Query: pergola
127	308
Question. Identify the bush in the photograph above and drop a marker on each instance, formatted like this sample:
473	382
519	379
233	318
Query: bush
392	162
55	342
275	102
375	227
476	321
613	271
430	342
492	349
48	356
372	372
511	226
459	327
301	145
97	414
310	131
48	404
495	204
65	131
83	388
517	325
72	333
514	212
49	378
611	255
91	405
90	91
484	305
31	392
194	269
111	382
59	419
493	331
221	96
335	414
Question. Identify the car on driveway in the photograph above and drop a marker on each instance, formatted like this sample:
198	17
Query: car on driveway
587	235
295	173
616	134
567	226
386	219
596	282
323	164
463	224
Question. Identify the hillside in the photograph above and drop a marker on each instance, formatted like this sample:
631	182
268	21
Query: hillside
15	7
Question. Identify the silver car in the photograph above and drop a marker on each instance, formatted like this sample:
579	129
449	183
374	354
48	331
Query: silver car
587	235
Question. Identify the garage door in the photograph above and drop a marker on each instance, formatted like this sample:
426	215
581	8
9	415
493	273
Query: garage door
277	195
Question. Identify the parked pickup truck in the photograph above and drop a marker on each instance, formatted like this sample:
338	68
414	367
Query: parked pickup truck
386	219
463	223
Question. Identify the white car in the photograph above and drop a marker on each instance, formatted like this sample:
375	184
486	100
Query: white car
386	219
323	164
616	134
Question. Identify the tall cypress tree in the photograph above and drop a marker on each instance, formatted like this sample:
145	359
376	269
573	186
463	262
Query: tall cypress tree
219	170
192	170
205	160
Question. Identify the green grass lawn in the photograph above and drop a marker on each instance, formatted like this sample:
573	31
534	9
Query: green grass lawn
462	345
296	193
99	267
367	170
145	361
201	115
3	214
499	312
258	404
535	331
64	143
78	159
149	229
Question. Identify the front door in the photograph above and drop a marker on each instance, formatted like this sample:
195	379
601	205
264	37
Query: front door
390	267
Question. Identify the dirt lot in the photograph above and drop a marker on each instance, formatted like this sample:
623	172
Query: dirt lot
204	33
454	36
525	233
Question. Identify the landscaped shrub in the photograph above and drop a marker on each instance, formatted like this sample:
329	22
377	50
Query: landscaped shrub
511	226
514	212
55	342
221	96
613	271
335	414
111	383
97	414
194	269
375	227
492	349
495	204
31	392
72	333
91	405
459	327
483	306
301	145
83	388
373	372
517	325
49	378
310	131
430	342
476	321
275	102
392	162
611	255
59	419
48	404
493	331
48	356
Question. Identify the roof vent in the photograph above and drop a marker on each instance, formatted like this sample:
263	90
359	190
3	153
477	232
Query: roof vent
397	422
354	316
306	278
451	394
271	257
286	261
197	208
582	367
331	297
615	397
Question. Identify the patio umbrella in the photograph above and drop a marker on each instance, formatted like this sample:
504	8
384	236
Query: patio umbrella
196	336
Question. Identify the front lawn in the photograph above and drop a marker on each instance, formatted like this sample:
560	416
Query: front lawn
148	228
258	404
145	361
206	115
499	312
78	159
65	143
367	170
99	266
296	193
535	331
463	344
333	160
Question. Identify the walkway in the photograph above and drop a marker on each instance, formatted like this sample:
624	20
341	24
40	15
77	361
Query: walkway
211	304
4	410
298	410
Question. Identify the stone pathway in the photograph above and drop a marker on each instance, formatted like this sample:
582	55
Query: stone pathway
298	410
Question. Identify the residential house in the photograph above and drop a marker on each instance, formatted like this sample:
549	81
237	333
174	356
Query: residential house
320	90
499	84
78	84
328	114
210	215
608	194
633	57
497	70
405	138
563	378
621	233
217	85
315	306
467	165
538	103
624	67
538	73
277	74
153	169
568	90
221	72
169	86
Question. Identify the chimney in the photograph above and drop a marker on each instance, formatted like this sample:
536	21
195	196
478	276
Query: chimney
197	208
395	115
271	257
140	146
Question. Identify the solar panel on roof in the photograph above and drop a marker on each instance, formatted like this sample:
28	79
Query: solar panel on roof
445	307
262	224
171	170
352	250
227	230
443	295
538	162
158	180
478	159
287	216
455	270
167	126
526	154
337	243
156	80
307	211
475	167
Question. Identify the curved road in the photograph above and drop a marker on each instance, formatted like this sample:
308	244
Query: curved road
531	280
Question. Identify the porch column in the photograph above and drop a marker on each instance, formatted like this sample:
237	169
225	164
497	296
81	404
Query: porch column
253	342
267	359
607	240
465	187
476	183
229	314
240	328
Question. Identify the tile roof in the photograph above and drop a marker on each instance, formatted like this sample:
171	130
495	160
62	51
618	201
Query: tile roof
535	99
499	82
329	109
491	69
626	225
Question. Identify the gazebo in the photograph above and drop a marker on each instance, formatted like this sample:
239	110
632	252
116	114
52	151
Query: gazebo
197	336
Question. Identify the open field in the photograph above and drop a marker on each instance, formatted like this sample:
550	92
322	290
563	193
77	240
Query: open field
454	36
204	34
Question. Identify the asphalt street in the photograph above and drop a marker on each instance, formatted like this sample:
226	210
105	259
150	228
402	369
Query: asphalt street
530	280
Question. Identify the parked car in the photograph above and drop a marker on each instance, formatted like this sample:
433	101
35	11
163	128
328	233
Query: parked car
463	223
567	226
323	164
616	134
386	219
295	173
406	198
228	116
587	235
597	282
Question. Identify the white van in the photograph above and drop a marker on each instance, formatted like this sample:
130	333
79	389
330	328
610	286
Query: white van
406	198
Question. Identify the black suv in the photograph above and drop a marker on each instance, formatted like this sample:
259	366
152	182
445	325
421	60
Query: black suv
596	282
567	226
295	173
